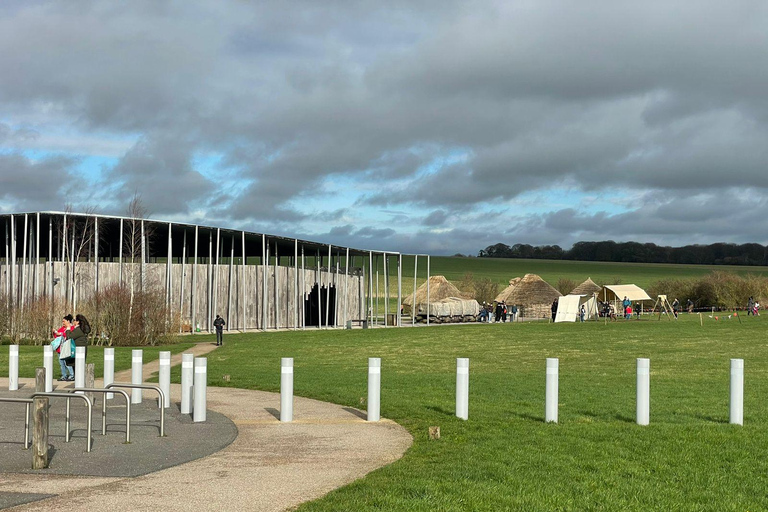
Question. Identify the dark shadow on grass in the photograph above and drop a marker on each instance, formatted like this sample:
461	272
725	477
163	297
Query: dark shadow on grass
712	419
625	419
359	414
274	412
526	416
440	410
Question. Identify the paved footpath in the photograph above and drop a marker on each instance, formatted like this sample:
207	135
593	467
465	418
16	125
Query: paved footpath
270	466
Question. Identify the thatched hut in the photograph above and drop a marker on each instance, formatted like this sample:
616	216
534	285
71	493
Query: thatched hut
439	288
505	294
532	295
588	288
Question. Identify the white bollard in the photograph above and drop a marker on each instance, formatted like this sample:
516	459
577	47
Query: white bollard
552	390
109	369
462	388
13	368
137	358
164	377
643	391
374	388
737	392
79	368
286	389
48	365
201	382
187	363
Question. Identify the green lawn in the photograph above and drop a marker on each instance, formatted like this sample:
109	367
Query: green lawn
505	457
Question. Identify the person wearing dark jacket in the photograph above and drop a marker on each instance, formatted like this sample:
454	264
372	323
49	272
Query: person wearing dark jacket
219	325
79	337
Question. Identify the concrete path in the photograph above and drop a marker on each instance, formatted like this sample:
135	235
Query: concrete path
271	466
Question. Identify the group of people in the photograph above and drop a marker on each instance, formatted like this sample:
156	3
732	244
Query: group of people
500	312
72	333
753	307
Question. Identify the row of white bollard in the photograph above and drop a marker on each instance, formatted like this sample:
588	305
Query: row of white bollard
194	383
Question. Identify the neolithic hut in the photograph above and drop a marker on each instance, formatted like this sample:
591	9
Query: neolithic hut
439	288
532	295
588	288
507	292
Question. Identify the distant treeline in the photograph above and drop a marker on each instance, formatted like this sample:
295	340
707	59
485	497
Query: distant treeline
634	252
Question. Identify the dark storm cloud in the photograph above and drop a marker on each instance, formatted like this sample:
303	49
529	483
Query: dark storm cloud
30	185
440	106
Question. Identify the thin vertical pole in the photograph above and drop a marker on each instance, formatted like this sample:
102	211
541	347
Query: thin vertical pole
386	291
736	408
7	261
376	301
193	291
346	285
643	390
427	289
37	253
264	267
216	276
413	297
22	272
143	257
551	390
229	295
96	252
168	278
296	283
303	290
210	280
399	289
328	288
277	288
370	284
183	280
50	256
120	254
336	295
318	265
243	295
266	289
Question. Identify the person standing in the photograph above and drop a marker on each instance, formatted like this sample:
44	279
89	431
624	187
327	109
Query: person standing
582	312
676	307
750	305
79	338
219	324
554	309
59	338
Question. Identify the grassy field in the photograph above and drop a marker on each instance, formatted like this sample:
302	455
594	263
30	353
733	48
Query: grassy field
505	457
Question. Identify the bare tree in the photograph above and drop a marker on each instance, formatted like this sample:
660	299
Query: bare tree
78	234
136	237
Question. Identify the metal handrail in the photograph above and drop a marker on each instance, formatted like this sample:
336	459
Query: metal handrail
104	409
28	402
148	387
69	397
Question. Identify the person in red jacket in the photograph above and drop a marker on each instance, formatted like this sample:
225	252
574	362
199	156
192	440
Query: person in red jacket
60	335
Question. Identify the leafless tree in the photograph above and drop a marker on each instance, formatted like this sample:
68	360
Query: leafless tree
136	237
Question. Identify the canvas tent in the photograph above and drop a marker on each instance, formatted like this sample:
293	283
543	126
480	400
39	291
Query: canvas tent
439	288
450	307
568	307
617	292
532	294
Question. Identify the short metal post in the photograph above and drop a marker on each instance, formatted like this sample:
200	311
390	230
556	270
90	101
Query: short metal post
737	392
26	427
187	363
13	368
109	370
80	368
201	381
286	389
462	388
643	391
552	390
66	421
137	357
48	365
374	388
164	377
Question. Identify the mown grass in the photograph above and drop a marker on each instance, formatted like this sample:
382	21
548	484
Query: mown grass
505	457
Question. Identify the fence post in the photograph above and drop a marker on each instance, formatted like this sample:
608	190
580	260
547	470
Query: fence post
109	370
13	368
48	365
40	429
552	389
737	392
462	388
374	388
90	381
286	389
187	363
80	368
137	357
201	381
643	391
164	377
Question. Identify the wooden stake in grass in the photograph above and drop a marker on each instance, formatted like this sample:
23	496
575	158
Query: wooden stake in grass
701	320
434	432
226	378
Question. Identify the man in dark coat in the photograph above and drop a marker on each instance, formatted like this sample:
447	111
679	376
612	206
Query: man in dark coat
219	325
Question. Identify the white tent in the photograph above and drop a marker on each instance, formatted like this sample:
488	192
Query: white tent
617	292
568	307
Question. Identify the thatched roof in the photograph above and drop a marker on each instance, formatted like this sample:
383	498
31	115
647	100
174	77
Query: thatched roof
439	288
506	292
528	291
588	287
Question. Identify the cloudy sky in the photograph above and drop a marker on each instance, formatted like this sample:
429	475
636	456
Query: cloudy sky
432	127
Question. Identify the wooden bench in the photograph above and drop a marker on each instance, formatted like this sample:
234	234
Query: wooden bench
360	321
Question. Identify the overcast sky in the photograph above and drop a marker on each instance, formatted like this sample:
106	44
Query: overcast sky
432	127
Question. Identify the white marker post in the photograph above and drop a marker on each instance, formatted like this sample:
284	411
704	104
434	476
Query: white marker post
48	365
737	392
109	369
286	389
79	368
201	382
643	391
462	388
187	363
13	368
137	358
552	390
374	388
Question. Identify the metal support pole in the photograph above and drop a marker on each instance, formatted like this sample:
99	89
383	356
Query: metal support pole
643	391
737	392
79	367
552	391
303	290
137	358
193	292
328	289
427	289
296	284
386	291
208	326
96	252
399	289
374	388
264	268
187	363
286	389
201	381
48	365
109	369
413	297
37	253
13	368
164	377
370	286
346	286
183	280
243	295
462	388
120	254
230	285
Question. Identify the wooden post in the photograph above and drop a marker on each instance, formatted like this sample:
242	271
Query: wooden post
40	424
90	380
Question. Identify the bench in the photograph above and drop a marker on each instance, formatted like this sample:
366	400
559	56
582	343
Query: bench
360	321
